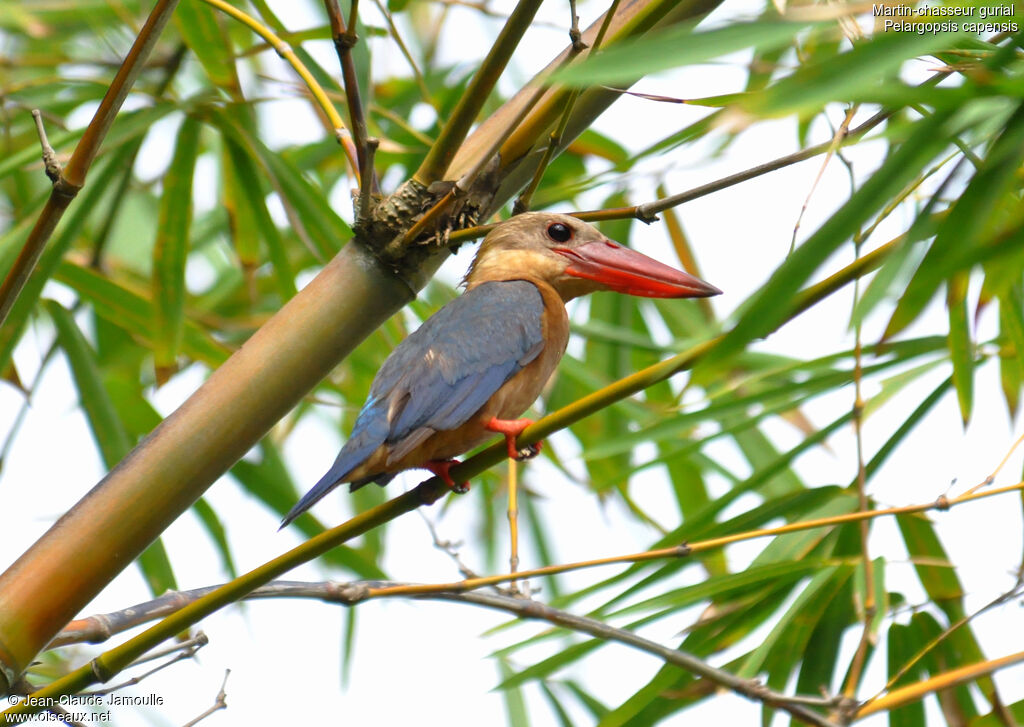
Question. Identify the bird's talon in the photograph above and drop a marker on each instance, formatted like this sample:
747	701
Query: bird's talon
440	468
528	452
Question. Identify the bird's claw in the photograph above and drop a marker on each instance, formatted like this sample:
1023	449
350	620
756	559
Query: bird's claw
512	428
440	468
528	452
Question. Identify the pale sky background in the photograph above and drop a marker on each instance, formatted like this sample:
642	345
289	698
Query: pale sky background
418	661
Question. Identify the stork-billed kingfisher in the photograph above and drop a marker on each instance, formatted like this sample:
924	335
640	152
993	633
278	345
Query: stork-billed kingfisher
484	357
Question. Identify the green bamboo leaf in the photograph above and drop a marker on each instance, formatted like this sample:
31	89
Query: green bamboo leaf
170	251
846	76
133	312
995	717
556	705
818	665
957	702
906	427
964	235
961	349
515	702
1011	330
213	526
111	438
902	646
252	205
591	703
792	631
241	222
312	219
769	306
680	46
13	328
203	34
777	574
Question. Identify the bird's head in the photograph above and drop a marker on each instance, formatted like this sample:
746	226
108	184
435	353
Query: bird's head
574	258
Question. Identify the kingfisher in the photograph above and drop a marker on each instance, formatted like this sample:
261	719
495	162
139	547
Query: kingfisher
476	365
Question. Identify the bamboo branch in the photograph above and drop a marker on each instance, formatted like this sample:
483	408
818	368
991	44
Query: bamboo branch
344	40
341	133
72	177
946	680
454	131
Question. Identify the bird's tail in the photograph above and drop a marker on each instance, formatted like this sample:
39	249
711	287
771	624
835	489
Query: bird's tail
355	451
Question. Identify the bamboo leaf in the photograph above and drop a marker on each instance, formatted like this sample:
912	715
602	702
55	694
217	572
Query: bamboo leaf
133	312
965	233
769	306
681	46
170	251
201	31
961	349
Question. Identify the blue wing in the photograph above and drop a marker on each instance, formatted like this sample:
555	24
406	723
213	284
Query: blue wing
441	375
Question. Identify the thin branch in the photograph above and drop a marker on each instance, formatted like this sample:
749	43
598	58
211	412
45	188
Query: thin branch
367	188
424	91
946	680
100	627
454	131
752	689
999	600
221	700
522	203
179	652
345	39
856	670
50	163
72	177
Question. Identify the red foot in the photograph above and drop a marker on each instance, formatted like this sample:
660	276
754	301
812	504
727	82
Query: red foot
512	428
440	468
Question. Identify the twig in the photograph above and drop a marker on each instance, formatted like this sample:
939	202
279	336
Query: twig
219	702
754	690
522	203
424	91
448	547
946	680
837	138
1011	594
100	627
344	40
513	521
50	162
856	669
574	29
181	651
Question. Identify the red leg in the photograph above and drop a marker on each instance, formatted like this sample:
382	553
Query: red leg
440	468
512	428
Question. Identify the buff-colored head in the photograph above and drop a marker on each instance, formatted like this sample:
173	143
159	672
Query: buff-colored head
574	258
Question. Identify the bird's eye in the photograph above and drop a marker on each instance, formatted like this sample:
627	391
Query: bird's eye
559	232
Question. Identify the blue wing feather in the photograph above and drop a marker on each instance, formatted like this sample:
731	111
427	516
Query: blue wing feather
439	376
